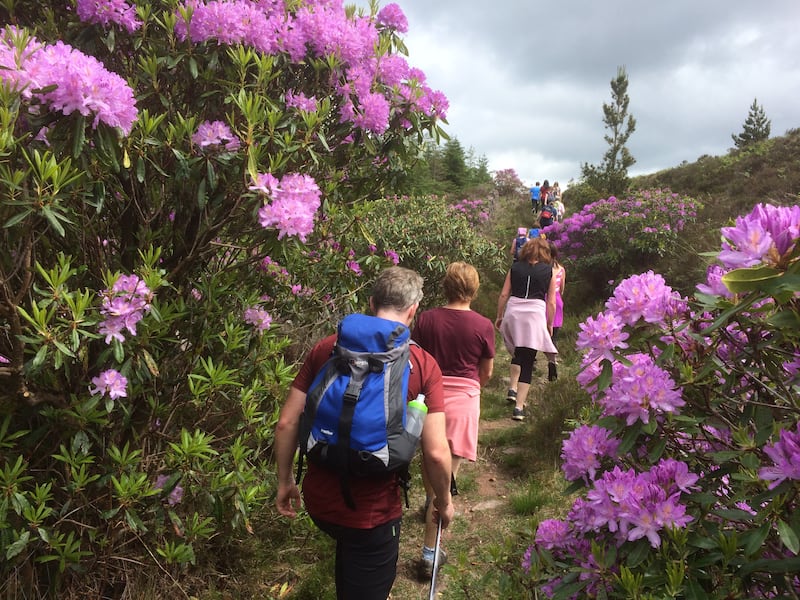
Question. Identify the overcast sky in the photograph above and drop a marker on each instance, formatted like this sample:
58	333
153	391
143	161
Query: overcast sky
527	79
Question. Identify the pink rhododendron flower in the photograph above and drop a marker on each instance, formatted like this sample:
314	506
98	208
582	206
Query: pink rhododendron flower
124	306
258	318
602	335
295	200
73	80
212	134
104	12
582	451
109	383
392	17
785	455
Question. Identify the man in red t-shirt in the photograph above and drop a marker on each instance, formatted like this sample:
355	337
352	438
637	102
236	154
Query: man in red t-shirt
367	539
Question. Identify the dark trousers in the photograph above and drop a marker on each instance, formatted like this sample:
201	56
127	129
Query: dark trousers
366	559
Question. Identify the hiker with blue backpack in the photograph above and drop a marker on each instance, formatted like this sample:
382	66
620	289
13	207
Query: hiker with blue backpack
518	241
349	410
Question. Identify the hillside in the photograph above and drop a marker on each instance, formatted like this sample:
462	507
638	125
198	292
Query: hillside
731	184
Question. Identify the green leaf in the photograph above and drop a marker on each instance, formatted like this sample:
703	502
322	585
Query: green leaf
749	279
754	538
788	536
18	546
78	135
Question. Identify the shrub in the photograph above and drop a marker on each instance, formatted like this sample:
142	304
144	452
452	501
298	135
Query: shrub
614	238
688	473
167	172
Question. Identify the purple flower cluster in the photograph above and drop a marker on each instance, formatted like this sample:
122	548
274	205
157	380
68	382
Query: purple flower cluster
641	389
104	12
767	235
109	383
473	209
371	88
71	80
645	296
258	318
631	505
300	101
124	306
582	452
391	16
713	284
215	134
785	455
294	203
602	336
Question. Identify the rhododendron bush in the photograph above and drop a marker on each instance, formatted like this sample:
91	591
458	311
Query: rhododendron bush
688	474
617	237
168	170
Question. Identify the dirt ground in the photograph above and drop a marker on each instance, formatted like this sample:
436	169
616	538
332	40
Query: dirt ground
476	517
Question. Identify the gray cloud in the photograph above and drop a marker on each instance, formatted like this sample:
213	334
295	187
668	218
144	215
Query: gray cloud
527	80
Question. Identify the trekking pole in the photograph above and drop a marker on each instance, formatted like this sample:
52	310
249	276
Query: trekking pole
453	492
436	560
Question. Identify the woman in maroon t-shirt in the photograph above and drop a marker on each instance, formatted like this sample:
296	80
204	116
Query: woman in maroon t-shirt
463	343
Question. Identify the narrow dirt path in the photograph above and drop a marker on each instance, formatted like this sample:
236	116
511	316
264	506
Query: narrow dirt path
476	519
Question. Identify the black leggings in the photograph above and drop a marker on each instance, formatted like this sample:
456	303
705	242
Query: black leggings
366	559
524	357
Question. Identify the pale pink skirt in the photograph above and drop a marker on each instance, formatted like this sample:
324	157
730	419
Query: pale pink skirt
525	326
462	410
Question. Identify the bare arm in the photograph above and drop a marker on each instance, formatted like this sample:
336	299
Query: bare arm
550	302
286	432
485	369
438	466
502	300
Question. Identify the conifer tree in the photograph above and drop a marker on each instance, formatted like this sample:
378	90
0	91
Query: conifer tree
756	127
611	176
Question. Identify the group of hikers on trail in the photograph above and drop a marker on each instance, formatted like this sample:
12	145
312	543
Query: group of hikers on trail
546	203
368	395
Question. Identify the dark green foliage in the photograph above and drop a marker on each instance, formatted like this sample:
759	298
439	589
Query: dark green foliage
756	127
611	176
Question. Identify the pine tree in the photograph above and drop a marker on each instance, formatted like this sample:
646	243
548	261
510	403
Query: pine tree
756	127
611	176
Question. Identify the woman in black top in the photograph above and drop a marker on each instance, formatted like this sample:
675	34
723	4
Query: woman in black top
525	311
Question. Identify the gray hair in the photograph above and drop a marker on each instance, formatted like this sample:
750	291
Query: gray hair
397	288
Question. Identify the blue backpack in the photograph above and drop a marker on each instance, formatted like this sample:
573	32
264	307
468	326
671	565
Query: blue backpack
355	413
519	241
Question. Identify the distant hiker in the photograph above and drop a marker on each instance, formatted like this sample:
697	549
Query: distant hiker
367	538
555	193
545	189
536	192
525	312
518	241
547	215
560	209
463	343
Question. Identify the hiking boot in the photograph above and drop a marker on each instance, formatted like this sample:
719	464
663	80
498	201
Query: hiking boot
518	414
511	396
552	372
425	568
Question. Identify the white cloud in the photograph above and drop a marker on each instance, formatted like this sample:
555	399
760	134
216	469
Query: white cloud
527	80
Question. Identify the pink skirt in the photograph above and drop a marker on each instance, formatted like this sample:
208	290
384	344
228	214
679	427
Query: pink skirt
462	411
525	326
